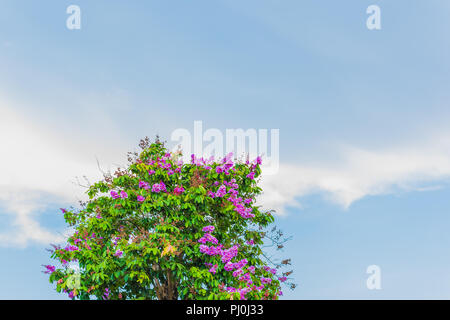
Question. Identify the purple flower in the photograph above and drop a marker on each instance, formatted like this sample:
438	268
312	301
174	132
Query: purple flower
156	188
229	254
50	269
140	198
123	195
71	248
237	272
229	266
178	190
241	264
245	277
266	280
251	175
208	229
243	292
144	185
150	172
209	238
228	158
106	294
213	269
114	194
221	191
118	253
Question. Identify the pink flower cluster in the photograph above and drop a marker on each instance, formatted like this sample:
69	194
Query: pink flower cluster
178	190
227	165
163	164
122	195
201	162
268	269
144	185
71	248
118	253
208	238
211	251
49	269
230	253
239	267
80	243
159	187
106	294
213	269
238	202
229	191
209	229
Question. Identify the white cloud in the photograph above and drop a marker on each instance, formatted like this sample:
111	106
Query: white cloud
359	173
39	167
24	227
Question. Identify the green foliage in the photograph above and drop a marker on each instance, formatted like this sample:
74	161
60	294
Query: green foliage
143	244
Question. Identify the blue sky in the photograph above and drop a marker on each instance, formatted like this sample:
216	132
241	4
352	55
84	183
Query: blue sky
363	118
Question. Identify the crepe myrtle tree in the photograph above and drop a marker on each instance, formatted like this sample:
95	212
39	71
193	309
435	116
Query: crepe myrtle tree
164	229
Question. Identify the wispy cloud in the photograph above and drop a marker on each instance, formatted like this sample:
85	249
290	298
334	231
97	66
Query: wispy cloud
359	173
24	204
39	167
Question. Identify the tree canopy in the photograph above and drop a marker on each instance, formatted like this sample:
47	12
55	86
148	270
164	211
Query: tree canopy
164	229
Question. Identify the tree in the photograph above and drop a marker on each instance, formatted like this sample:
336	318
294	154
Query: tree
161	229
